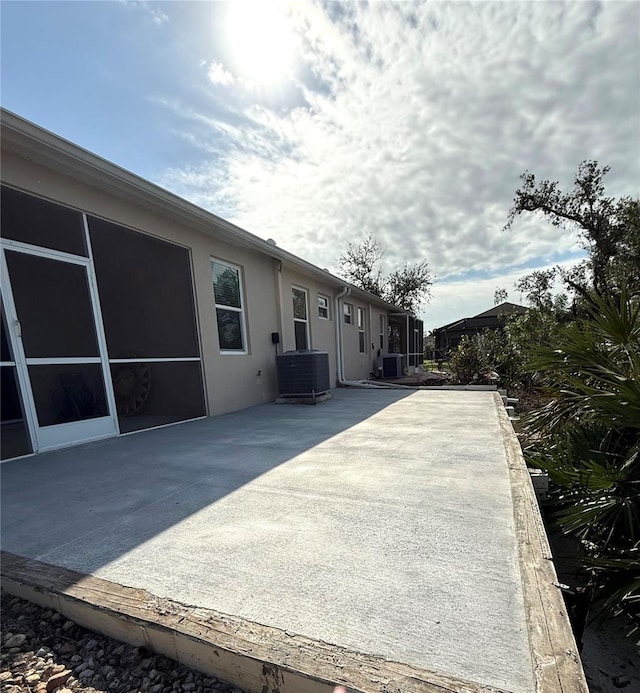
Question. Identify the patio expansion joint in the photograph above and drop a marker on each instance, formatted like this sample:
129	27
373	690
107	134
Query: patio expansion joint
556	662
258	658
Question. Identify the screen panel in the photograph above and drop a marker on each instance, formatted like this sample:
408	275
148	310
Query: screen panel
155	394
146	294
14	437
32	220
53	305
66	393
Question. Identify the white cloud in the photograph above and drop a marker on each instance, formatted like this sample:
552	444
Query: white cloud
219	75
151	9
416	122
158	16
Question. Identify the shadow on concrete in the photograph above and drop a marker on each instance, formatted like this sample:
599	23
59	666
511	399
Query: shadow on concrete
85	506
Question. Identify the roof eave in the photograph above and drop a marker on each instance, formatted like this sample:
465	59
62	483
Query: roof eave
48	149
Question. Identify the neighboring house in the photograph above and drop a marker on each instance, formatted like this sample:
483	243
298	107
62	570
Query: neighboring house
449	336
126	307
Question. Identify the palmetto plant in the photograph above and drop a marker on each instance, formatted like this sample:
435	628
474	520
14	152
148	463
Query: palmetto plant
587	436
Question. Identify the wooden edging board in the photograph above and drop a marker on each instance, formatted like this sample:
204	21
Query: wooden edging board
556	662
257	658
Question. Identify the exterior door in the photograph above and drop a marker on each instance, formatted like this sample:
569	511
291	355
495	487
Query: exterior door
51	312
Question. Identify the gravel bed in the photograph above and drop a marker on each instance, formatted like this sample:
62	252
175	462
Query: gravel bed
43	652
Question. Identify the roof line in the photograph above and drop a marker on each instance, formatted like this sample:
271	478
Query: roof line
22	136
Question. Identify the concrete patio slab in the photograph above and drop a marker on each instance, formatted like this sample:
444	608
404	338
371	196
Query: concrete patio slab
379	521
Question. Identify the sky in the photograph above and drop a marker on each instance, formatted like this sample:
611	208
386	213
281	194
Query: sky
316	124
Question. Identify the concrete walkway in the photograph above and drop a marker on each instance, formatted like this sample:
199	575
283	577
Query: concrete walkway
381	521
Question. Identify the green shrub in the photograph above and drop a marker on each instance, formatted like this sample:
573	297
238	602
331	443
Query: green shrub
468	363
587	436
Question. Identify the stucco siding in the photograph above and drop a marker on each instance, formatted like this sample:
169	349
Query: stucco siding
322	334
232	381
358	364
235	381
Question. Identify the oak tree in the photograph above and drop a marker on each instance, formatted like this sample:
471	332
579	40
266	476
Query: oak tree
608	228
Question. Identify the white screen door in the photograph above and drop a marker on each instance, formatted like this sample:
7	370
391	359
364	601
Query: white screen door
60	356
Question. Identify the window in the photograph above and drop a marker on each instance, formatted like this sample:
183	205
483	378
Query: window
227	291
361	330
382	333
348	313
300	321
323	307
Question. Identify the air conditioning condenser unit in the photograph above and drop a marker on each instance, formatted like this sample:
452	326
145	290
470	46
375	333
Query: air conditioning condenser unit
303	373
392	365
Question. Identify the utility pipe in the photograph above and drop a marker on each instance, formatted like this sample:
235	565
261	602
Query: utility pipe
369	335
277	265
363	384
373	384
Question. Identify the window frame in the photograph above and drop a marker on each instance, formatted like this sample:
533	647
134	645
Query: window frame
362	330
243	323
347	312
382	332
326	307
305	321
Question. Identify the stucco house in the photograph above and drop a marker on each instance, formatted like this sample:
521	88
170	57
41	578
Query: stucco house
126	307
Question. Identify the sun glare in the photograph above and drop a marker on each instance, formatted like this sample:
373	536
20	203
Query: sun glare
262	41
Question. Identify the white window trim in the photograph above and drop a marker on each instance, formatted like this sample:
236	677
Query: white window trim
245	337
328	315
362	330
306	310
383	332
347	311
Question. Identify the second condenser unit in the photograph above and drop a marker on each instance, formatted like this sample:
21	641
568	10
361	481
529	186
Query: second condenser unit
391	365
